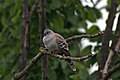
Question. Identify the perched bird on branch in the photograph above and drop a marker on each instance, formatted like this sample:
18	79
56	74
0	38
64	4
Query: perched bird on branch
56	44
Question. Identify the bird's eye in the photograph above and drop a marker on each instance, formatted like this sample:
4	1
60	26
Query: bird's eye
47	33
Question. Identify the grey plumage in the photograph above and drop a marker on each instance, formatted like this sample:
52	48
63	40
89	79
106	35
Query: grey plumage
54	41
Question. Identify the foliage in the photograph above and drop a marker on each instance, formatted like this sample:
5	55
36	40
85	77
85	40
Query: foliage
63	16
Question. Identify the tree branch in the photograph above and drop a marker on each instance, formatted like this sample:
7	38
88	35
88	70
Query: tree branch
37	57
68	57
42	24
106	38
112	71
25	36
40	54
115	47
109	60
84	36
28	67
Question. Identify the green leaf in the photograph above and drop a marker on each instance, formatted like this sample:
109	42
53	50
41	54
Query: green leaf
118	1
80	10
109	2
116	75
52	74
53	62
93	14
91	61
59	72
82	24
82	74
56	4
93	29
57	22
86	50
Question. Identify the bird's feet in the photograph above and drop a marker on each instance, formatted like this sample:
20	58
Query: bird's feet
43	49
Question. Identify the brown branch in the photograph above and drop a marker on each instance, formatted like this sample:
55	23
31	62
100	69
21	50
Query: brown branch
112	71
98	1
25	35
115	47
109	60
106	37
95	4
84	36
117	52
28	67
103	7
42	23
68	57
40	54
37	57
92	3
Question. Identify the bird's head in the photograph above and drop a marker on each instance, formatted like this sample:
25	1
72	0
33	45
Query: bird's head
47	31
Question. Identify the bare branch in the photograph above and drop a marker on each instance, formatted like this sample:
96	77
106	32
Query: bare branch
117	51
37	57
28	67
42	27
98	1
84	36
112	71
25	36
92	3
106	38
103	7
68	57
115	47
109	60
44	52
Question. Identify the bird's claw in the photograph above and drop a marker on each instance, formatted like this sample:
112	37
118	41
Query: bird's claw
42	49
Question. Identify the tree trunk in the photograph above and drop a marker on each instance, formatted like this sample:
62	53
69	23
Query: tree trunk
106	38
25	37
42	23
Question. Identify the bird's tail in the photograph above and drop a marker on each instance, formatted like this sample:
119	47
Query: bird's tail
72	66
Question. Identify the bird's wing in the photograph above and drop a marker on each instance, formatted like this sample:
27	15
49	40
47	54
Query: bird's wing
62	44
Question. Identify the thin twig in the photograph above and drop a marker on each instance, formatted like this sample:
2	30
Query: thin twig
92	3
84	36
69	57
98	1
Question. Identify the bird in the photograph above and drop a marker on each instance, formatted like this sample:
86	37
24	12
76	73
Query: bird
56	44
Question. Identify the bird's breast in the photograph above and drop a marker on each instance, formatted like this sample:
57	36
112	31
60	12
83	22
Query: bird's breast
50	43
